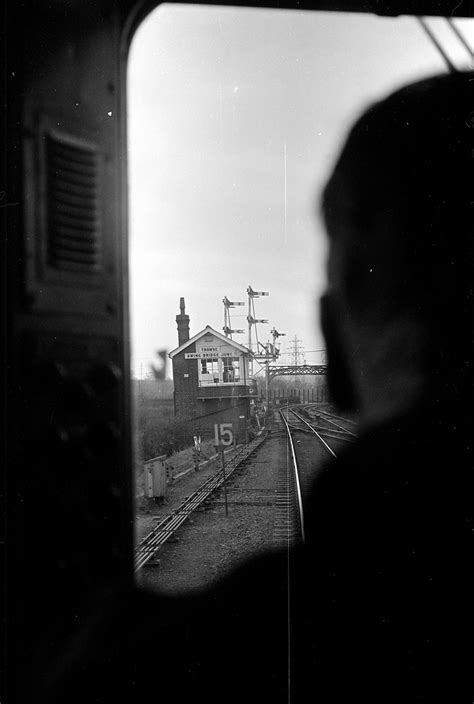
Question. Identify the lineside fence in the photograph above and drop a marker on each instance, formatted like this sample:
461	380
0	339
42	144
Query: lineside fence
304	395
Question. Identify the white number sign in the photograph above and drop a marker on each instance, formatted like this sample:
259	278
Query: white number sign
223	434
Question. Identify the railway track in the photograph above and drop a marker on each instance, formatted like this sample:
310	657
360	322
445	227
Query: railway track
170	524
329	430
302	425
337	424
289	514
312	419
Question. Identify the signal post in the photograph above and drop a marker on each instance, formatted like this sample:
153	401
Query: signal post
223	437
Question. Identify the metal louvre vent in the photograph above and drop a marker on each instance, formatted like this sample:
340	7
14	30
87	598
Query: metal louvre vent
74	241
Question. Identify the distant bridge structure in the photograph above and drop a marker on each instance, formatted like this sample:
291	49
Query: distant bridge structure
297	370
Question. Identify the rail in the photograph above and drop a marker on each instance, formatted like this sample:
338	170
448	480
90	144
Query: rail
299	498
313	430
338	432
333	415
170	523
328	419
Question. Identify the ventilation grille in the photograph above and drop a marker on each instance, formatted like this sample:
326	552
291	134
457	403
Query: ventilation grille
73	218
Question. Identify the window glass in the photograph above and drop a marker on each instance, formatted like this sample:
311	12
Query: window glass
235	119
231	373
210	366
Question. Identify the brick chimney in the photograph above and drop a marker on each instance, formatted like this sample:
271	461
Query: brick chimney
182	321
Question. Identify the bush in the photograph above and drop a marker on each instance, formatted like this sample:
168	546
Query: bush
164	437
159	432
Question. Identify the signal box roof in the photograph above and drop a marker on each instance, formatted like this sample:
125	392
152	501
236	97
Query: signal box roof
209	331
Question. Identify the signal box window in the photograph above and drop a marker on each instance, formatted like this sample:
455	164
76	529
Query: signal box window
210	366
231	370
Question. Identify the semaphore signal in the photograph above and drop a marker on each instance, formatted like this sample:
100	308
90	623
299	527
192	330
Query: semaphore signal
228	331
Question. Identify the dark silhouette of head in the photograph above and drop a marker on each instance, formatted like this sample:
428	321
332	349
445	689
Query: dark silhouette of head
398	312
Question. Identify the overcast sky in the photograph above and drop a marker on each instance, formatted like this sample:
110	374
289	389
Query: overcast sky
235	118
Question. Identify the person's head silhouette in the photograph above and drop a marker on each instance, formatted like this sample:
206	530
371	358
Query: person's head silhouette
397	314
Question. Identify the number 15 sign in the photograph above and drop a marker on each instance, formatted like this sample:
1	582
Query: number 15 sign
223	435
